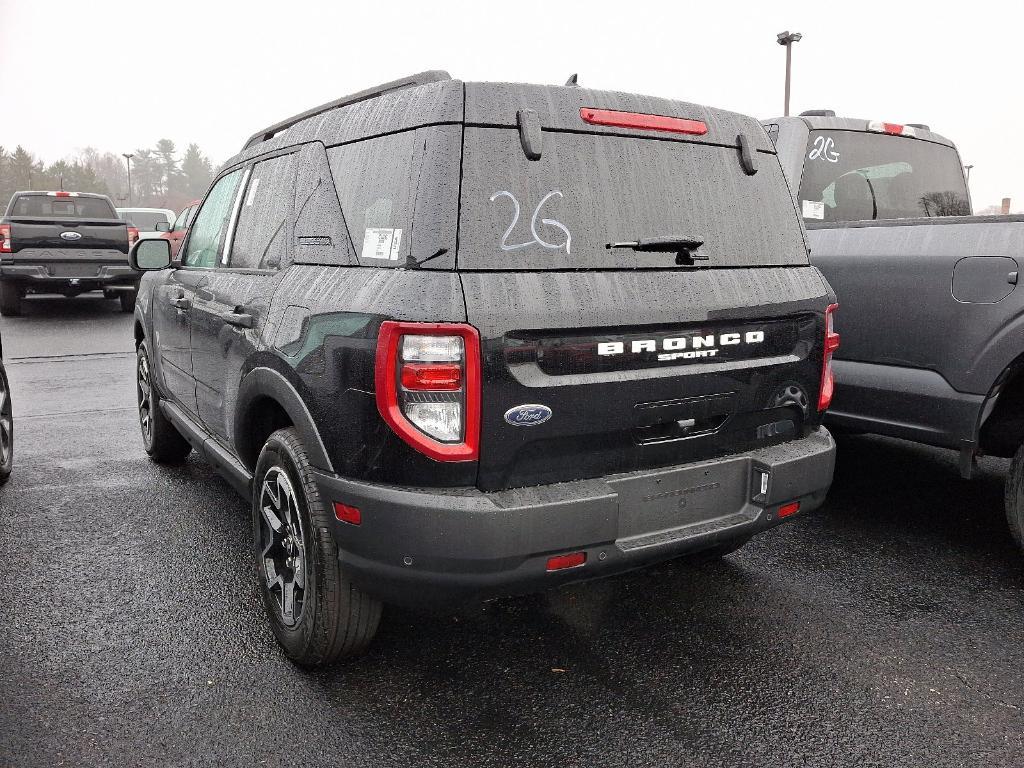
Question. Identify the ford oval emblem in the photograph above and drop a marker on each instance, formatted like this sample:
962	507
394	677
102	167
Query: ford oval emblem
70	236
529	415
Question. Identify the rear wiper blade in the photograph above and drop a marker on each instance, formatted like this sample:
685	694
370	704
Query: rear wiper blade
682	247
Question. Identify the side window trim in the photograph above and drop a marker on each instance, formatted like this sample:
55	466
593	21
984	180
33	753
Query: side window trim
229	239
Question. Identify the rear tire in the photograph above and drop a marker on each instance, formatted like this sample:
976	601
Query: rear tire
6	430
317	614
1014	497
10	300
162	441
127	299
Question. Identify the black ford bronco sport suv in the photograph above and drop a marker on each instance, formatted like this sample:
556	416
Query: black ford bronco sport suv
464	340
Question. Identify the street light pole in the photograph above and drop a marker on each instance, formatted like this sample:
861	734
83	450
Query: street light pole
787	39
128	156
968	169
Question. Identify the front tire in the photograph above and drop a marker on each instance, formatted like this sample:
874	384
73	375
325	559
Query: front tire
10	300
317	614
162	441
1014	497
6	430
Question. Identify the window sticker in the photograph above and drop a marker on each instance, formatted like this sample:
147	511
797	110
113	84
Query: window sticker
382	243
813	209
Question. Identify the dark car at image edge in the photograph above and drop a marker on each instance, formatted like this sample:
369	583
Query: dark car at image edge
458	341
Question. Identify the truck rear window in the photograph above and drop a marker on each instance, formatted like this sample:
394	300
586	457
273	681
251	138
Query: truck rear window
587	190
62	207
856	176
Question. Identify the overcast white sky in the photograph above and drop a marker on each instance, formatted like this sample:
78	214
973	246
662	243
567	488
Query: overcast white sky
120	75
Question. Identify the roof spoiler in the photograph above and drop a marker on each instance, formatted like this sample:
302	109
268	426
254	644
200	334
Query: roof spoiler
422	78
922	126
818	113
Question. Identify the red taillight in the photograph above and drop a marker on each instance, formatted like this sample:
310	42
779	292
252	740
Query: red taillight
133	235
5	238
831	345
431	376
789	509
561	562
428	387
616	119
347	514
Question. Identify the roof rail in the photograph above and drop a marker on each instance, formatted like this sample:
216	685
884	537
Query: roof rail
422	78
818	113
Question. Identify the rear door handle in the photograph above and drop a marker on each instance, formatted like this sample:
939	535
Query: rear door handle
238	318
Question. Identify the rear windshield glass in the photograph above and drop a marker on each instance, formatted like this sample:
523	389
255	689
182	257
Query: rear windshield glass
144	221
62	207
853	176
586	191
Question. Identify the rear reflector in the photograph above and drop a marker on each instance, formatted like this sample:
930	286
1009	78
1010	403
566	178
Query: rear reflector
642	122
561	562
347	514
789	509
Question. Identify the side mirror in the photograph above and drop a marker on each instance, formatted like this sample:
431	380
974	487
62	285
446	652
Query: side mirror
150	255
163	226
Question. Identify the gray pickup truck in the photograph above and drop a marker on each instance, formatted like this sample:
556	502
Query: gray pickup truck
932	323
64	242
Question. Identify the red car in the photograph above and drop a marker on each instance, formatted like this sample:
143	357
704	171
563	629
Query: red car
177	231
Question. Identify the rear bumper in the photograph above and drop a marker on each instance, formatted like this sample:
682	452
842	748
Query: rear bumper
442	547
85	275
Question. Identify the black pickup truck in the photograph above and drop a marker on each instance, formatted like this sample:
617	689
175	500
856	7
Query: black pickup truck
64	242
933	326
462	340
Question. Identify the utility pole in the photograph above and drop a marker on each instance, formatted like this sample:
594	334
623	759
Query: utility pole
787	39
128	156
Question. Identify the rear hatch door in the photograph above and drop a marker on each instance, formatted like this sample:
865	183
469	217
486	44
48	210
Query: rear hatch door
599	360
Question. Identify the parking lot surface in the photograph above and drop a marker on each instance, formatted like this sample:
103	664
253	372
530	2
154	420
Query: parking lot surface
886	629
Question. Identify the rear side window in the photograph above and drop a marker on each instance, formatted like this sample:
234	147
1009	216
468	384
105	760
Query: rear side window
587	191
63	207
387	184
856	176
261	234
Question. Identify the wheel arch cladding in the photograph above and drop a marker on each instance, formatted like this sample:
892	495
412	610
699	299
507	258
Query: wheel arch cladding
1002	417
267	401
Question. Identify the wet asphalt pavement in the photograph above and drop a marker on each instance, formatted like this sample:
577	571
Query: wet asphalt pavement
886	629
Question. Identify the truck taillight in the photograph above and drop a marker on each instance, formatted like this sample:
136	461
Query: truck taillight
5	238
133	235
428	387
831	345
